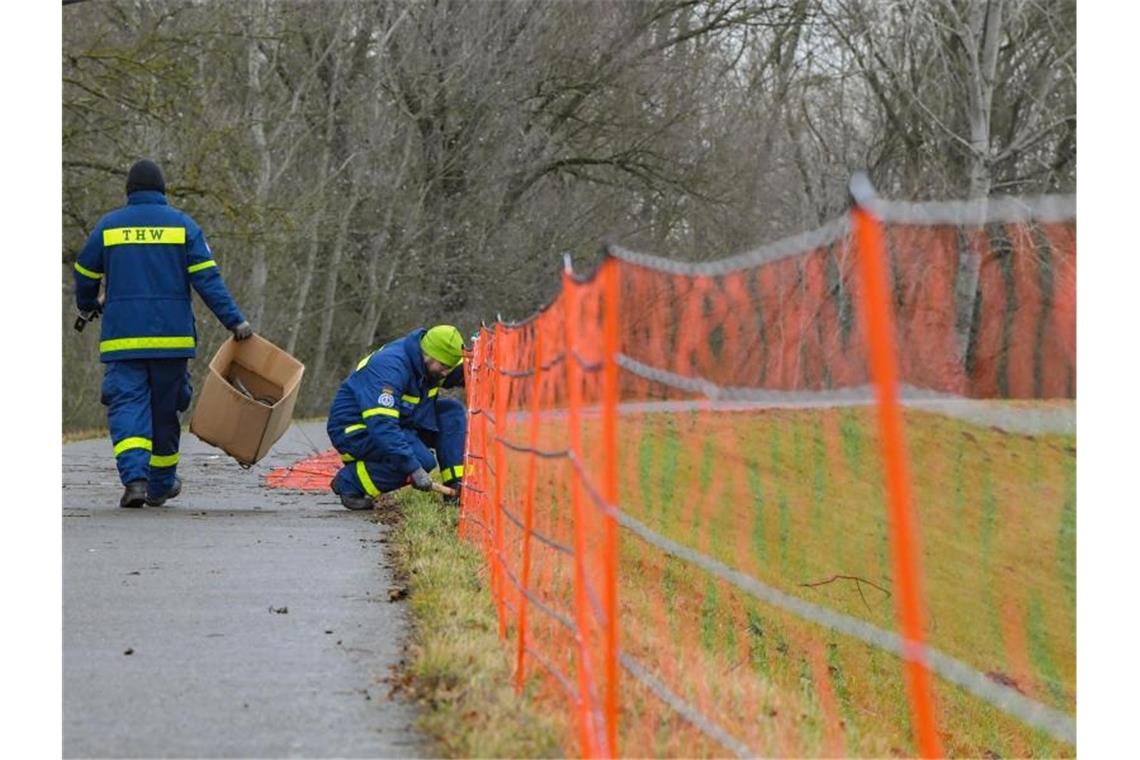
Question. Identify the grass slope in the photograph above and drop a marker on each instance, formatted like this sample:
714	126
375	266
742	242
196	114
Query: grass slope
458	668
795	499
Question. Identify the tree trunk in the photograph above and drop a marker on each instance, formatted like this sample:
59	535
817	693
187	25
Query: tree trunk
981	37
306	284
386	244
332	279
319	210
259	275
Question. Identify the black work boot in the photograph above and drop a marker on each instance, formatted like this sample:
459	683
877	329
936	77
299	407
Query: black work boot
158	501
134	494
355	503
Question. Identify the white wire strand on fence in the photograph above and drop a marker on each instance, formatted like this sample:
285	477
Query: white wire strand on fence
719	398
591	593
595	708
542	537
699	720
1046	209
1039	716
547	665
715	392
1054	722
827	234
702	722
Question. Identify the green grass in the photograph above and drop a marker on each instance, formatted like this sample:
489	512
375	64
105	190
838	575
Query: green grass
459	671
997	528
997	519
794	497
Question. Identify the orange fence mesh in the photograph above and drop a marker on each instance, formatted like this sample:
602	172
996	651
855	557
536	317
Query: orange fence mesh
314	473
817	499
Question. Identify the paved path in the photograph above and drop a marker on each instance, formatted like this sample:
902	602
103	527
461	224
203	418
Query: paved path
237	621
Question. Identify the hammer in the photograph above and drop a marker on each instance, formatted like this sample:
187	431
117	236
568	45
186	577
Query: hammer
443	490
440	488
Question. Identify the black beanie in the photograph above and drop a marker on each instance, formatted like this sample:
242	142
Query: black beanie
145	175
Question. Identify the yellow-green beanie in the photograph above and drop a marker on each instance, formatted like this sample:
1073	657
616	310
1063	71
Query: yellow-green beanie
444	344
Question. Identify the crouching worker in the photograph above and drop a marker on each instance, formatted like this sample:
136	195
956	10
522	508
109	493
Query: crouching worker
387	418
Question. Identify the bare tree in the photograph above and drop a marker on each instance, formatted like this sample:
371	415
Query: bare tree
363	167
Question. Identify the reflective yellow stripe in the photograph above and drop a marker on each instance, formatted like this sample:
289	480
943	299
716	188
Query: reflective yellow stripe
130	344
433	393
353	428
360	364
369	487
132	443
382	410
411	399
144	236
87	272
347	458
163	460
451	473
203	265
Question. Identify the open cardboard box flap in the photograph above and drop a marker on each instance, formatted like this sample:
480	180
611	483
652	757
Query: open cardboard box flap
247	426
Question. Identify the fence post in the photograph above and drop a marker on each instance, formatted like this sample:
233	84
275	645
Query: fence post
882	349
611	339
528	515
586	701
472	407
500	476
483	394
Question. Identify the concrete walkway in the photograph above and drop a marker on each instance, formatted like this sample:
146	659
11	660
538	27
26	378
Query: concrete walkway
236	621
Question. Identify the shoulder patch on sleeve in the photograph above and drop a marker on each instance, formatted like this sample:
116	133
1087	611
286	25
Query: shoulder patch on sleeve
387	397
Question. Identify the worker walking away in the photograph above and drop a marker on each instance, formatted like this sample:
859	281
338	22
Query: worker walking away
387	418
146	256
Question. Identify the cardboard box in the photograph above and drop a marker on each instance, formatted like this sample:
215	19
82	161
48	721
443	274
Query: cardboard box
247	400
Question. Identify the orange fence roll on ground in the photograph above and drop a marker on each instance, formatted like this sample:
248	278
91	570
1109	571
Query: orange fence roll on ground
814	499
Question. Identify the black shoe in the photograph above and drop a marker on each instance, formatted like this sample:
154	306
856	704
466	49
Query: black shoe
158	501
134	495
355	503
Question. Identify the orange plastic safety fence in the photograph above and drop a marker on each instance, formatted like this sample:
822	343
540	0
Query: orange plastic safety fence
814	503
313	473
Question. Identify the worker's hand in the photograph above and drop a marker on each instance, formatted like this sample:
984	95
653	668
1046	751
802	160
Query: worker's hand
242	331
87	315
421	481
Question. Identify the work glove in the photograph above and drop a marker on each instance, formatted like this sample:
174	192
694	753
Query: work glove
242	331
421	481
90	310
87	315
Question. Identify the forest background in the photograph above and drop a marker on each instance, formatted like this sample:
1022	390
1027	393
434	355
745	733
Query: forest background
362	168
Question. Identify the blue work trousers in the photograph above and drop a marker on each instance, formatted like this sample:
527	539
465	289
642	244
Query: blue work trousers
143	398
367	471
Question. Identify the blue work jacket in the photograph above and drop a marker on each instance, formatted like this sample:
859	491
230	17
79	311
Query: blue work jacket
387	391
149	254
